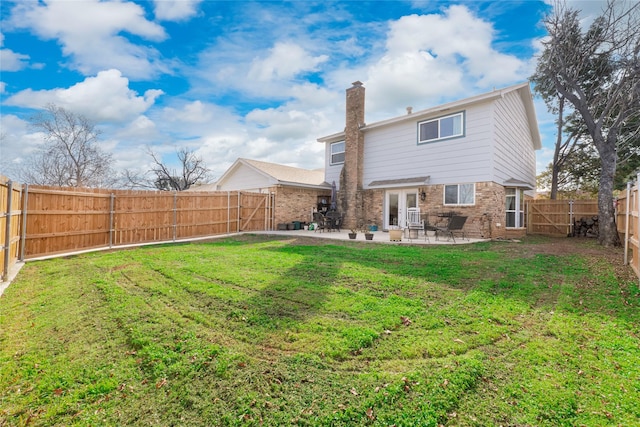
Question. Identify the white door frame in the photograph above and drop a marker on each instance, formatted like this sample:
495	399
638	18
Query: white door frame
396	203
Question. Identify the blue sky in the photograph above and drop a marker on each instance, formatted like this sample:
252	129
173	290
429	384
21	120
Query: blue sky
260	80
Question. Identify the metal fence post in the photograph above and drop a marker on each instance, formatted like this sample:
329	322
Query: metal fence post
571	222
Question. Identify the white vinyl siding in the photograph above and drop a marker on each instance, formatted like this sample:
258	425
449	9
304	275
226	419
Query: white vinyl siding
514	156
391	152
245	178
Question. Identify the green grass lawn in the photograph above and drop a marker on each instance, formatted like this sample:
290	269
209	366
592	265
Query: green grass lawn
259	331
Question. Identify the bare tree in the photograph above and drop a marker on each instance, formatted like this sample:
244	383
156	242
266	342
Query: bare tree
163	177
598	72
70	156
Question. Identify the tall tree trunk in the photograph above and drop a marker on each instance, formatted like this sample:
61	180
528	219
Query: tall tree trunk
555	167
607	230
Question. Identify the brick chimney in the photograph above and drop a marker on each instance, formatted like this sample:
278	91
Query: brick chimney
351	177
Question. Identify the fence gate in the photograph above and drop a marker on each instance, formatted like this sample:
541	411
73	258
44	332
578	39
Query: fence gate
556	217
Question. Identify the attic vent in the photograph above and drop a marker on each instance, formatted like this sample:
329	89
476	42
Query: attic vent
409	110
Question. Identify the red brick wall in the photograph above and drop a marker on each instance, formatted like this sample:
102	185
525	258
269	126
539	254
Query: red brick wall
486	219
295	204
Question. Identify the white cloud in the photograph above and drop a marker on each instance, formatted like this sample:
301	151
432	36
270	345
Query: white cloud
432	57
175	10
16	143
105	97
91	34
285	61
10	60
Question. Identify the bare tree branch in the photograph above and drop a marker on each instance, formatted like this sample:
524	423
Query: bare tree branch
162	177
70	155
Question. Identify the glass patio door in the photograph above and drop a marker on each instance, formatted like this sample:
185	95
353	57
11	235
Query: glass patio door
396	204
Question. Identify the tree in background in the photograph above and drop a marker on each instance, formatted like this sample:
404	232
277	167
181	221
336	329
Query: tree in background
70	155
598	72
163	177
578	176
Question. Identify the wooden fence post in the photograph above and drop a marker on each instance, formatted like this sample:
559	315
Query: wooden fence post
638	224
23	232
626	225
112	205
7	235
238	217
228	212
175	215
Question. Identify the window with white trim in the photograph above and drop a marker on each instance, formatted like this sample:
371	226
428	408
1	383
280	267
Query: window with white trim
514	207
337	153
445	127
460	194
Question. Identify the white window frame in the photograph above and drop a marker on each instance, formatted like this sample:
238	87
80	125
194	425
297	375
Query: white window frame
518	207
333	153
458	192
439	120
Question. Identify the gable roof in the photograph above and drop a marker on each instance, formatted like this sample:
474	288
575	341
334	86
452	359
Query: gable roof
279	174
522	88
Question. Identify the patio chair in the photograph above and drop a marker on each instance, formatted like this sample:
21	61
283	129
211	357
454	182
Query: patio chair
334	220
415	224
455	224
321	221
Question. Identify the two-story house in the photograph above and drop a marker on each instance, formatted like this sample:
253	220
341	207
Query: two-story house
475	157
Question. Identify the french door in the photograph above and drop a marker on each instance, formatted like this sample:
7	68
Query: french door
396	204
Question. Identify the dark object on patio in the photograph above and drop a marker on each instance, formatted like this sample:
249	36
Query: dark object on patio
368	235
455	224
334	220
321	221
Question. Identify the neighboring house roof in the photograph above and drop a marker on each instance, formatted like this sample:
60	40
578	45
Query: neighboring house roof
213	186
522	88
275	174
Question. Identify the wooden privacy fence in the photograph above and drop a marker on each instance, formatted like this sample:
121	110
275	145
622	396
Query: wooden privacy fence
45	221
10	211
628	223
557	217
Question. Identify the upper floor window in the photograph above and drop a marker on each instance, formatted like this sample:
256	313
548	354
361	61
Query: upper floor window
441	128
337	153
460	194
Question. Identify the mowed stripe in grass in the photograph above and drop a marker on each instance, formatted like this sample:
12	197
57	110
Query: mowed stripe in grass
264	331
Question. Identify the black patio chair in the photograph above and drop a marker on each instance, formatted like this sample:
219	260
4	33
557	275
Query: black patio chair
455	224
321	221
334	220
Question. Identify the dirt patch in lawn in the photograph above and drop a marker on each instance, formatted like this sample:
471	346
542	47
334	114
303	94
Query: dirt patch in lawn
585	247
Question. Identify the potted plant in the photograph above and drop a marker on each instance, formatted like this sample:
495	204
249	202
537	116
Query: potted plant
353	232
368	234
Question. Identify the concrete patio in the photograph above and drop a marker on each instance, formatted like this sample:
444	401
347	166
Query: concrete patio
378	237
